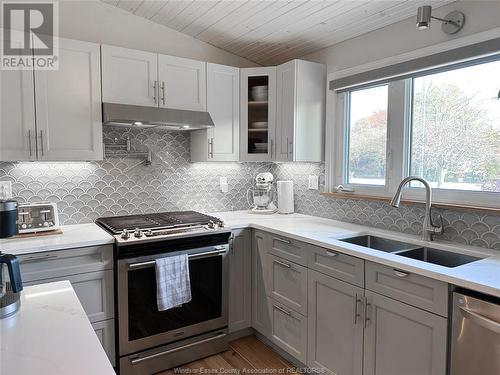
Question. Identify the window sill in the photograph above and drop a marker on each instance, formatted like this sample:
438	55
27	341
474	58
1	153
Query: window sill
487	210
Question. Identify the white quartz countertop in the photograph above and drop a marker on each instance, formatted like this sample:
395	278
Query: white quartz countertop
79	235
50	335
482	275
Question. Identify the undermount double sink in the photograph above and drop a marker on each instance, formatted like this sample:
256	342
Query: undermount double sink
424	254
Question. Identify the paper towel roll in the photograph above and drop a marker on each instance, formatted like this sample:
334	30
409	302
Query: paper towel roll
285	197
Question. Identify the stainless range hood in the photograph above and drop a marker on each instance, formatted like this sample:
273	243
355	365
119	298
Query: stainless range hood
170	119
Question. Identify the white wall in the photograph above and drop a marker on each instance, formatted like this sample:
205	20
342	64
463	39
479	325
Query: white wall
402	37
98	22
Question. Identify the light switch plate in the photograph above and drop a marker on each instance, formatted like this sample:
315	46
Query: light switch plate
5	190
313	182
224	187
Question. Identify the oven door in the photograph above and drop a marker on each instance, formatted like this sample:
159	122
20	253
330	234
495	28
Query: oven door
142	326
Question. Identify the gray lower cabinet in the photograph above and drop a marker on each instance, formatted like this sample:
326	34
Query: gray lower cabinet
335	325
261	320
240	280
401	339
90	272
288	330
288	283
105	331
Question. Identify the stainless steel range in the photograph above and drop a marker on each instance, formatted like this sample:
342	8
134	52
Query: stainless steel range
149	340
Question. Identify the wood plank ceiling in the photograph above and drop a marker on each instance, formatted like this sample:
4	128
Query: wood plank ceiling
271	32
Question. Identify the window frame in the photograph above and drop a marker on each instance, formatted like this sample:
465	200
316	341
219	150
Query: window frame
398	148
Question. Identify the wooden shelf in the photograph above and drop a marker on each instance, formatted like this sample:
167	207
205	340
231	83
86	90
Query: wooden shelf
258	130
487	210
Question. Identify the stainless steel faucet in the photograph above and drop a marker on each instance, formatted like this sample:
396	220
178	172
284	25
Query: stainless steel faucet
428	228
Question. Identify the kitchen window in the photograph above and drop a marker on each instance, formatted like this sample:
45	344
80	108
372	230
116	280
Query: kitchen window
367	136
442	125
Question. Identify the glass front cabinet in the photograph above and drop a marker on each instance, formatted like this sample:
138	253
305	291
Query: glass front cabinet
258	114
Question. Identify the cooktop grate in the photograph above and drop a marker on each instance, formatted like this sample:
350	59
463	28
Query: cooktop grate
116	224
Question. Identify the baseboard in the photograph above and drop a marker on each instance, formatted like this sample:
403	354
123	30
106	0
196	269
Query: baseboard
241	333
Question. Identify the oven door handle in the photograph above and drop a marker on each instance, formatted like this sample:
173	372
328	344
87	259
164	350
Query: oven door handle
134	266
187	346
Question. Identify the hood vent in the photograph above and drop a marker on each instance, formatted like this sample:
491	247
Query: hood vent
170	119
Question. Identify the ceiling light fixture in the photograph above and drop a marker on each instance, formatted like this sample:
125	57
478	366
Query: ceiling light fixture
452	23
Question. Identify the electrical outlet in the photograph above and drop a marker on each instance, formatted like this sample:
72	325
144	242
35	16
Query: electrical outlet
224	186
5	190
314	182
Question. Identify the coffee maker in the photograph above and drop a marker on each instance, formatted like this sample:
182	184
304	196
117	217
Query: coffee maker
10	285
260	198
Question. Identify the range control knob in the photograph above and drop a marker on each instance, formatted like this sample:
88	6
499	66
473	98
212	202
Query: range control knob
45	223
137	233
125	234
24	226
211	224
220	224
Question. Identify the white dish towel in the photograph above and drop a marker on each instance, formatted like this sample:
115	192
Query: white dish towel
173	287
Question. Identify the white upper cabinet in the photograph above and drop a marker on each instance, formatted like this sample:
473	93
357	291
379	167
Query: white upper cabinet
17	116
129	76
220	143
182	83
300	111
68	121
68	105
148	79
258	114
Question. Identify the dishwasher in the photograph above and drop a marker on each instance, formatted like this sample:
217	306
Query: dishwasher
475	336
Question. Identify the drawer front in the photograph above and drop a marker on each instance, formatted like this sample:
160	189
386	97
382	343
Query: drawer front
338	265
288	284
105	332
294	251
416	290
60	263
289	330
94	290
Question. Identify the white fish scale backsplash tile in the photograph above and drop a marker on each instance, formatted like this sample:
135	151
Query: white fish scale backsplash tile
85	191
477	229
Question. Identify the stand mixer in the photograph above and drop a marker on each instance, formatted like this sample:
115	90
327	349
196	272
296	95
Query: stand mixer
260	198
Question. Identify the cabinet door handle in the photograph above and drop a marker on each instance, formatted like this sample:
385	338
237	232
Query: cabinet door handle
287	265
399	273
282	310
29	142
212	148
154	92
331	253
231	244
41	142
271	147
357	300
282	240
163	91
208	147
367	318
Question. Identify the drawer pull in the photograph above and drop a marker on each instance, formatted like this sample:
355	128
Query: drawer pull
283	310
38	258
331	253
400	273
287	265
288	242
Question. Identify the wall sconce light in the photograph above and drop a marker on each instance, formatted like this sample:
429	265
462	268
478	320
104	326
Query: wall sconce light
451	24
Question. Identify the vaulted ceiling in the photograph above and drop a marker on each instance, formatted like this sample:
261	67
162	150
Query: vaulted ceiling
271	32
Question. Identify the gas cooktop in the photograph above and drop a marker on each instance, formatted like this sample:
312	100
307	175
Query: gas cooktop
147	227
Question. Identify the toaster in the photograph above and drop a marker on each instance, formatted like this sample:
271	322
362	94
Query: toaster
37	217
